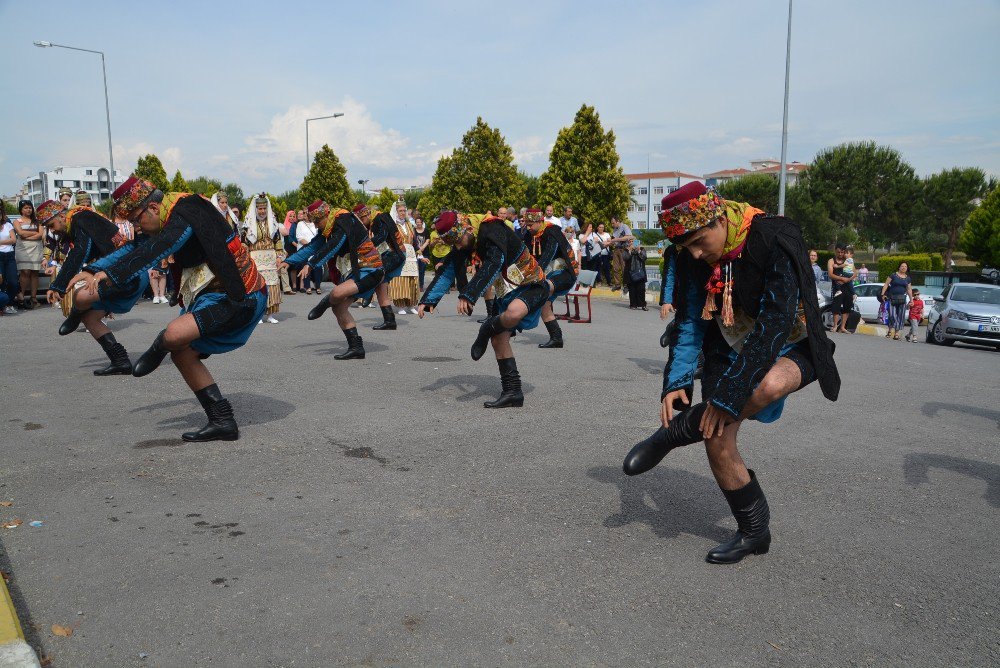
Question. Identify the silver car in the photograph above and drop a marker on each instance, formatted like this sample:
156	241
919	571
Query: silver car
967	312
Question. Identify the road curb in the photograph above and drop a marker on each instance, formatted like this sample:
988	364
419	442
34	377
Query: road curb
14	651
872	330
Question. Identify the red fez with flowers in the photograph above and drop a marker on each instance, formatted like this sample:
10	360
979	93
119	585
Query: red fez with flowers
132	196
444	222
689	208
317	211
48	210
533	216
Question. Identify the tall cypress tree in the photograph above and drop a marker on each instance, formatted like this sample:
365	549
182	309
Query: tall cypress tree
584	172
151	169
326	180
178	184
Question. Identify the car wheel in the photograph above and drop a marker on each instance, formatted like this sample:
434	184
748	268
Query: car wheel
939	337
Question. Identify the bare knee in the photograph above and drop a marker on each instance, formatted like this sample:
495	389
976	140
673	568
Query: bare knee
173	338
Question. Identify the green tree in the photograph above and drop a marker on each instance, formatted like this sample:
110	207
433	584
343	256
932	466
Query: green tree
862	187
326	180
818	230
584	172
981	237
949	198
478	176
151	169
412	198
530	191
359	196
178	184
384	200
236	197
759	190
203	185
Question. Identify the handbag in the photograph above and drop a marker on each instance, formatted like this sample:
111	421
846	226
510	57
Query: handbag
897	300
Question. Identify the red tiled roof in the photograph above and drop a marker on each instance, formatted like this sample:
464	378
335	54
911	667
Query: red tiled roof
739	171
792	168
661	175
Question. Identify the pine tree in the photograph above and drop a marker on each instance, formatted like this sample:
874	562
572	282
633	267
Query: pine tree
384	200
584	172
949	198
326	180
203	185
478	176
178	184
981	237
151	169
758	190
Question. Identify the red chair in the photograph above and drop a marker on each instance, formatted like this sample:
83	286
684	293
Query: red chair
584	285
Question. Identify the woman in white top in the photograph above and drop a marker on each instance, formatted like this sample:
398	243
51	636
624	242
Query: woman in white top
8	266
600	256
573	242
305	231
28	252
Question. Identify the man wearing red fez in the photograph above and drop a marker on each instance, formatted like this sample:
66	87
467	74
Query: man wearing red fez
744	295
93	236
503	257
343	236
222	295
389	244
554	254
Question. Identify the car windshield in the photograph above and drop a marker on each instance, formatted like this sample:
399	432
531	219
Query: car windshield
976	294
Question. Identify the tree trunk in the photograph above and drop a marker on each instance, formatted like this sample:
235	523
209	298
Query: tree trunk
952	240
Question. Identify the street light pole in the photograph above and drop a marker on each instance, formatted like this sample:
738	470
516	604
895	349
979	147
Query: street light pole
783	178
107	105
363	183
318	118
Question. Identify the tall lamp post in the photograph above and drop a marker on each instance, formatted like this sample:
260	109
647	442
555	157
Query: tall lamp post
783	179
363	183
107	106
318	118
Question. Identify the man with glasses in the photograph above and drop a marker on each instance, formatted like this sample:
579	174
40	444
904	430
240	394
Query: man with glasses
222	294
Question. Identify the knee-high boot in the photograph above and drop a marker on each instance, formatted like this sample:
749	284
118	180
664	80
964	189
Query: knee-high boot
388	319
120	363
221	424
489	329
752	515
490	310
320	308
71	323
355	346
555	335
683	429
510	384
152	358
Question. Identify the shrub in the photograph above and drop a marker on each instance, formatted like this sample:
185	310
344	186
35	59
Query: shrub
917	261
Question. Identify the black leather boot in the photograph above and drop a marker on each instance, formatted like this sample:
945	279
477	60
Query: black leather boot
555	336
366	302
221	425
71	323
320	308
752	516
489	329
682	430
665	337
510	384
150	359
388	318
355	346
490	306
120	364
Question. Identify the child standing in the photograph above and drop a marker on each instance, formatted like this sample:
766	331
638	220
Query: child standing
916	315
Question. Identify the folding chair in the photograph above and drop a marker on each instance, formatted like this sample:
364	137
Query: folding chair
584	284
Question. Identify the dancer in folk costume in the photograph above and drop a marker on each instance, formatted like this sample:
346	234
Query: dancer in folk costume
263	239
552	250
403	288
745	295
389	244
92	236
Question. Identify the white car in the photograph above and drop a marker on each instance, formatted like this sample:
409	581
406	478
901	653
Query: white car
866	301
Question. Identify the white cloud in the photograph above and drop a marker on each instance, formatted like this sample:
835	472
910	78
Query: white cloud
530	150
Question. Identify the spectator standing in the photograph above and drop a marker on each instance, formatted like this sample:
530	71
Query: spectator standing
28	253
636	275
574	243
621	241
863	273
158	282
841	294
306	231
550	216
403	288
287	241
817	270
568	221
916	315
601	262
897	289
9	283
587	247
420	238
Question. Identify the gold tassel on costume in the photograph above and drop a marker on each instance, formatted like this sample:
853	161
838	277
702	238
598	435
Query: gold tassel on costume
706	313
727	304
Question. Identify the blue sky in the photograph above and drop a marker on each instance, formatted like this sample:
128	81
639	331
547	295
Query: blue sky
223	88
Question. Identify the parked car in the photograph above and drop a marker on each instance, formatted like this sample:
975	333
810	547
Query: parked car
866	301
967	312
991	273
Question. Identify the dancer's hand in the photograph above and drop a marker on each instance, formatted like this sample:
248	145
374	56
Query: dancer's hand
714	421
282	265
52	297
304	271
424	308
91	281
666	310
667	407
464	306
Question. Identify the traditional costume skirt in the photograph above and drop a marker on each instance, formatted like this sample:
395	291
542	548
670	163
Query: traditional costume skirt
562	281
28	255
225	325
403	289
534	295
266	259
112	299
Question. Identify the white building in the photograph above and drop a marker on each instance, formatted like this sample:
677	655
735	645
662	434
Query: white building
95	180
765	166
647	191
